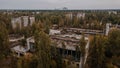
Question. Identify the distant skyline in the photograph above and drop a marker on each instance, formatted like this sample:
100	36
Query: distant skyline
59	4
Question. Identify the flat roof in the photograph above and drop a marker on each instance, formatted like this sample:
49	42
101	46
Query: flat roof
19	49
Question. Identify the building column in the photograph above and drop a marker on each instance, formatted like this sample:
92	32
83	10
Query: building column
18	54
67	52
71	52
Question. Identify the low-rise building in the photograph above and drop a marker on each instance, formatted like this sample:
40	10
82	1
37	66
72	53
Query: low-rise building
85	31
19	50
65	44
15	44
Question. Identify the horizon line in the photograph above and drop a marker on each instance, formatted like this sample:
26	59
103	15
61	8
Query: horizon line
64	10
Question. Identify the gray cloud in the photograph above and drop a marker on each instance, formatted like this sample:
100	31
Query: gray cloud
51	4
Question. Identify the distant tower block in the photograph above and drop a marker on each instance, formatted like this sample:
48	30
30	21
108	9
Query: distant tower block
32	20
25	20
15	21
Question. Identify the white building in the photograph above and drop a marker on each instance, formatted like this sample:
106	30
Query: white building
107	28
80	15
15	22
70	42
112	12
25	20
19	50
32	20
22	21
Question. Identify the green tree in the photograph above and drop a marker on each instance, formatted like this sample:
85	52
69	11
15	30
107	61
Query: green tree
114	41
47	30
17	29
56	57
42	44
4	42
113	47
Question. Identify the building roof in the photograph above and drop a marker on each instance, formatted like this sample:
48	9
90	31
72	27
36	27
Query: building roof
19	49
53	32
15	38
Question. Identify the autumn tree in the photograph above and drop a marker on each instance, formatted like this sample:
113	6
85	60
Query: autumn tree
61	22
96	58
82	45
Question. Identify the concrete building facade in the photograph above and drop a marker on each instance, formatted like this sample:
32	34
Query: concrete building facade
23	21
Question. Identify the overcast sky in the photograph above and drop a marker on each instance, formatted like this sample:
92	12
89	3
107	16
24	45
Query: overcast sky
52	4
